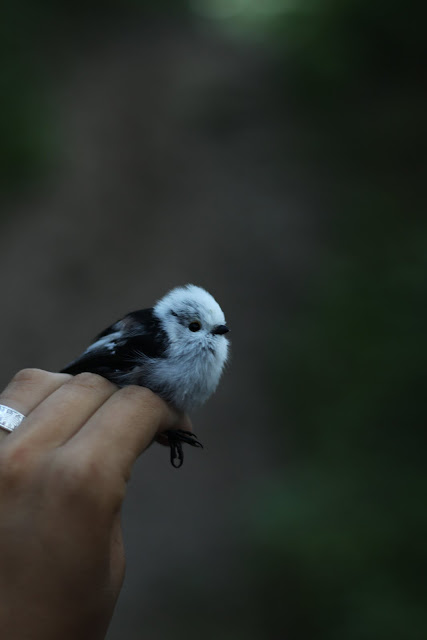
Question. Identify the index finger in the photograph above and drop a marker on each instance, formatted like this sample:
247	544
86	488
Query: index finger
124	426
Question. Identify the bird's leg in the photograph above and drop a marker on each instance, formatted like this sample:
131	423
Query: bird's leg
175	442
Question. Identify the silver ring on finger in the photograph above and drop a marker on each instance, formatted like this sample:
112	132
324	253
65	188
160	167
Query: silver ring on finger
9	418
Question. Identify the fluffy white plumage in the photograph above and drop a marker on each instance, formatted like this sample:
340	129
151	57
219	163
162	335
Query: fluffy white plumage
177	348
194	360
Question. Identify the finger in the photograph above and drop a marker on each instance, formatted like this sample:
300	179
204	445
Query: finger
125	426
66	410
27	389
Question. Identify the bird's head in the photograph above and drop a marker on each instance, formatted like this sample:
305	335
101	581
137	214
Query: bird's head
193	321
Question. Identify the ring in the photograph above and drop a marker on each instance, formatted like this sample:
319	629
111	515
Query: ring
9	418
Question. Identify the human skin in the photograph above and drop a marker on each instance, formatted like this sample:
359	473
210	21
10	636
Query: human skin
63	478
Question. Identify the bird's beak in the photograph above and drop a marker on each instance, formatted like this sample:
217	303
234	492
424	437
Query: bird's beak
220	330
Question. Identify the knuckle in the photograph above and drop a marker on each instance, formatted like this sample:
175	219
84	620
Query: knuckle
15	464
76	475
86	482
76	479
30	376
82	473
34	377
92	382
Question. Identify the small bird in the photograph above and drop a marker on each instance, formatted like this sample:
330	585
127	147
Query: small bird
177	349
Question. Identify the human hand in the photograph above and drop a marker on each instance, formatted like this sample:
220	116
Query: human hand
63	477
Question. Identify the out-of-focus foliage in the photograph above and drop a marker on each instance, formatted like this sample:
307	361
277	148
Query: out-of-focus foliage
346	524
342	532
36	40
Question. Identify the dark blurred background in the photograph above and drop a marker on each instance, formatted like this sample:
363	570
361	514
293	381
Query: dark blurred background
274	153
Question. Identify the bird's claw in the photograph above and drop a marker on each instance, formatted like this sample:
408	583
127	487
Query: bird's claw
176	440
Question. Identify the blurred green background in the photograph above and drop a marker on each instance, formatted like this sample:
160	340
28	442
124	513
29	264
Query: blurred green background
275	152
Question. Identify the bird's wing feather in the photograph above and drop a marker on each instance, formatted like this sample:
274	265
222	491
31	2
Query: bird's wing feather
117	348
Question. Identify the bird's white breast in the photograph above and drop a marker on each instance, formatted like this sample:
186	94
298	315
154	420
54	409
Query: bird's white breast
189	376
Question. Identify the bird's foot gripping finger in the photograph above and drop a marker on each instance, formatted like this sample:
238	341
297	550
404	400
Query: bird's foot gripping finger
175	441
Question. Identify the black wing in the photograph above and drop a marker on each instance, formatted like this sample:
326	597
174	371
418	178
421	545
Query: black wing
116	349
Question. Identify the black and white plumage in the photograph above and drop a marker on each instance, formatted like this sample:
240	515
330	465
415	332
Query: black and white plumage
177	349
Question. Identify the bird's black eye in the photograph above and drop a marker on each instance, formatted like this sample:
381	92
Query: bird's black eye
195	326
